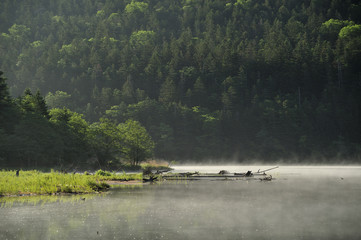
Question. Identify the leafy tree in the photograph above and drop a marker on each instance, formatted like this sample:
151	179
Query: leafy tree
58	99
19	34
350	31
106	141
73	120
142	39
332	27
350	39
73	133
136	7
138	145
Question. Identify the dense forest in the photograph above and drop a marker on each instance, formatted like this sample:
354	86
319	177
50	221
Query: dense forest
193	79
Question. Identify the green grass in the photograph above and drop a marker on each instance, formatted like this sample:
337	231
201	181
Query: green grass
105	175
35	182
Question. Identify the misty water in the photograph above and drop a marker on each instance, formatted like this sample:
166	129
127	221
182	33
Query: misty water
300	203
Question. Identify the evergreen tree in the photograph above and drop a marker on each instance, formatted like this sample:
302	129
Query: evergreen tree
8	112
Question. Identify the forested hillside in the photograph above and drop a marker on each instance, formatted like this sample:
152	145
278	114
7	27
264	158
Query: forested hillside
208	79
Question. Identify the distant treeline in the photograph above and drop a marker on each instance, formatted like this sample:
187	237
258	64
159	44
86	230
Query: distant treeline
240	79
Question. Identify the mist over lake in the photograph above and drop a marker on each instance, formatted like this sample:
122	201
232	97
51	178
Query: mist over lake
301	202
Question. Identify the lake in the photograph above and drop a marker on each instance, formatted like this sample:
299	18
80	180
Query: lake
302	202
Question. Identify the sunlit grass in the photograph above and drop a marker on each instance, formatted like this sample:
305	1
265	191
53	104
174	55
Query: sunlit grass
35	182
105	175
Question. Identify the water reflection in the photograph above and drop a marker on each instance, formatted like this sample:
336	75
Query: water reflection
298	205
39	200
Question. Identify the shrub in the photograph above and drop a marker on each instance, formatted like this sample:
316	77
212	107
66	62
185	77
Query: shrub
93	185
102	173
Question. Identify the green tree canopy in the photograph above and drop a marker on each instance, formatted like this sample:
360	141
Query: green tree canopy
135	6
350	31
58	99
106	141
137	144
30	103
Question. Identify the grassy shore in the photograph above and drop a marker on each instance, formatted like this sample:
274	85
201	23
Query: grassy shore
35	182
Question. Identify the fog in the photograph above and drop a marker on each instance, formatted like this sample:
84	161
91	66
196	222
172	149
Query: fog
301	202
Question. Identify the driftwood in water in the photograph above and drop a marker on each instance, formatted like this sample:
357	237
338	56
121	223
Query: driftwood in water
151	179
258	173
264	171
223	174
188	174
247	174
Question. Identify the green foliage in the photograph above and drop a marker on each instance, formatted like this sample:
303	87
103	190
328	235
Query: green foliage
72	120
106	140
335	25
142	38
35	104
137	144
134	7
59	99
350	31
102	173
105	175
19	34
239	61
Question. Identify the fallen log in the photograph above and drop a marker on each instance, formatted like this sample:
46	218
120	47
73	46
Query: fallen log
188	174
247	174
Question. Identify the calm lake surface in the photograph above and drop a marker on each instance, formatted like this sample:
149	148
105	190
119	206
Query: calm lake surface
300	203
